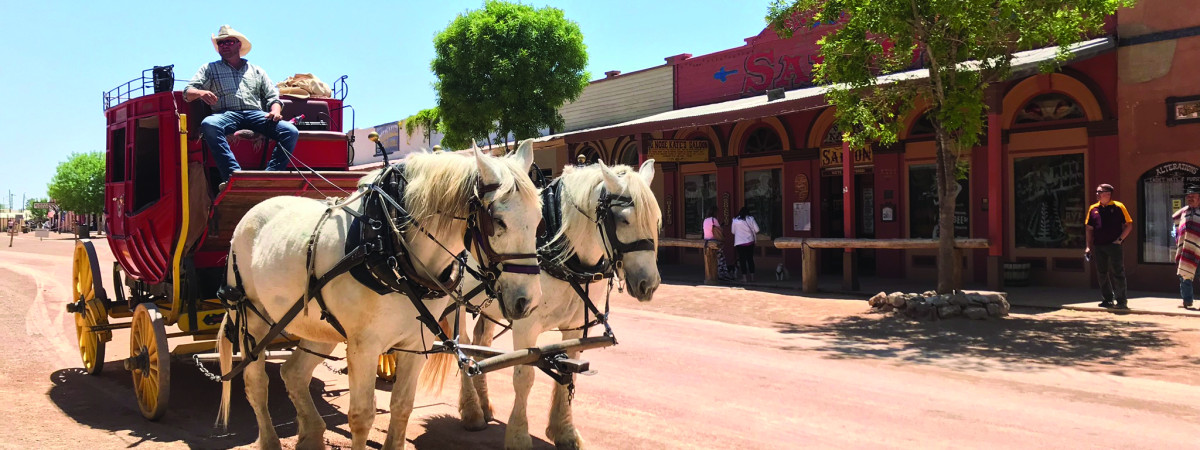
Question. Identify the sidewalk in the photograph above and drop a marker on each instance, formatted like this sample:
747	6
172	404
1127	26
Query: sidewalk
1042	297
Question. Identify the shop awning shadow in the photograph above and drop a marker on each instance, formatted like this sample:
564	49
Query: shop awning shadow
446	432
107	402
1012	343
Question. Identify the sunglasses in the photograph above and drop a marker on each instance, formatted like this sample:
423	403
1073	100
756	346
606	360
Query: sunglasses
1103	192
227	42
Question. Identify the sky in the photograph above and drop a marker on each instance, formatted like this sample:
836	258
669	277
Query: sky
58	57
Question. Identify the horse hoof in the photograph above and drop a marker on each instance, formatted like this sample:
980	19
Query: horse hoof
478	424
569	440
518	442
311	442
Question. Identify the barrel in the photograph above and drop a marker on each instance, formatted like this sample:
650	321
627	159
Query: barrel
1016	274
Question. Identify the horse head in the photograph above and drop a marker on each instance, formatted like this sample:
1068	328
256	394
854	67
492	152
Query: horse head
614	218
504	222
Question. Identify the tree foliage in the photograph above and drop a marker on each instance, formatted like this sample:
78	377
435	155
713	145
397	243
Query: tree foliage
429	120
78	183
507	68
36	214
965	44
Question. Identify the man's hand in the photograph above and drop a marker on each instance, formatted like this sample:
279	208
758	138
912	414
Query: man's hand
274	116
208	97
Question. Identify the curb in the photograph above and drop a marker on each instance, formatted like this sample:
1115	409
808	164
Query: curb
1126	312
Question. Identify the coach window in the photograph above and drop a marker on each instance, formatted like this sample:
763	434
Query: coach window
116	155
1161	192
146	171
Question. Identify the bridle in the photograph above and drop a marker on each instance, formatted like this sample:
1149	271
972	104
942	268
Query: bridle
480	230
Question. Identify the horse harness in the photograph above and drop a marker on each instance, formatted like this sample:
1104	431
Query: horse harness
378	257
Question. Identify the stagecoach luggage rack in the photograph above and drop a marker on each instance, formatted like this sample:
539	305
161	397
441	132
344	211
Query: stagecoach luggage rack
155	80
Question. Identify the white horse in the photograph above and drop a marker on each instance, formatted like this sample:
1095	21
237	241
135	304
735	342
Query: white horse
637	219
269	250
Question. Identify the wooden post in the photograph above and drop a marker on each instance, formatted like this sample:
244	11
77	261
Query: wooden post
809	263
995	195
956	273
710	263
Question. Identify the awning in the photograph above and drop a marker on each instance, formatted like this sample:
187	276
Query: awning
1023	64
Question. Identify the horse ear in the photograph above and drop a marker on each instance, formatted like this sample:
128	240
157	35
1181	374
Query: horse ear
612	181
524	154
647	171
488	172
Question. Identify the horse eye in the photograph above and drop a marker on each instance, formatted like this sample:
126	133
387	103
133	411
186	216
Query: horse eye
500	223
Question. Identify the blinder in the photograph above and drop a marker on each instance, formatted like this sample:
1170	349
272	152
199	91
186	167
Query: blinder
605	215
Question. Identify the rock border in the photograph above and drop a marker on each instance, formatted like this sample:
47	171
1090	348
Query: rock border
933	306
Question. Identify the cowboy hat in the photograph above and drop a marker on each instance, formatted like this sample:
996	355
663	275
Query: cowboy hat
228	32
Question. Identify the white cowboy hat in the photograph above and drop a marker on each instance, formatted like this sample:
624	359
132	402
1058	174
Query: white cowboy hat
228	32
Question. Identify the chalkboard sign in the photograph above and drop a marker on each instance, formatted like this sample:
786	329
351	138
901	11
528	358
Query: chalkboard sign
1050	201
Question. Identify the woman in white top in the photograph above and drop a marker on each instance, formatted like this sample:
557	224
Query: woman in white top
713	232
744	231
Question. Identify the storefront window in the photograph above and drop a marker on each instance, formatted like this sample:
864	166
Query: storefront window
923	201
765	200
763	140
1162	195
699	194
630	156
1050	201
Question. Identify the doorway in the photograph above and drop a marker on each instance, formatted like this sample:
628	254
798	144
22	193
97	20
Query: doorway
832	221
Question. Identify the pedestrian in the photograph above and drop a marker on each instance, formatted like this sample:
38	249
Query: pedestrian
745	231
1187	242
238	92
714	233
1108	225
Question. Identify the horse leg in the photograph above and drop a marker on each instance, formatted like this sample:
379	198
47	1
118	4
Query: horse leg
561	429
255	377
516	436
404	392
473	405
297	374
362	363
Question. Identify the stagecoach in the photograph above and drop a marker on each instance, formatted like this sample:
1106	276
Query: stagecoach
169	228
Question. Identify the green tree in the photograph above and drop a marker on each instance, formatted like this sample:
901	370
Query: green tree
78	183
36	214
881	36
507	68
429	120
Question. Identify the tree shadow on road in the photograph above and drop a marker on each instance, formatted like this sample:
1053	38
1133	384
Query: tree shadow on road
446	432
108	402
1012	343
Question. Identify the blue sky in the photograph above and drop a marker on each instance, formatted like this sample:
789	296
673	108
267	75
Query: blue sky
58	57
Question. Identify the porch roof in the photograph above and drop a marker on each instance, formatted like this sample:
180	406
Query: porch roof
1023	64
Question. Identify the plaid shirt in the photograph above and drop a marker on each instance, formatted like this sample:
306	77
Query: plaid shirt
237	90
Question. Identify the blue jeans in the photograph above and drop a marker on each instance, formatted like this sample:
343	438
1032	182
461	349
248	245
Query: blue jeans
1185	291
214	128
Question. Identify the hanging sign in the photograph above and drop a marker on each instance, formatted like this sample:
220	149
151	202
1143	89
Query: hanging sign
832	156
678	150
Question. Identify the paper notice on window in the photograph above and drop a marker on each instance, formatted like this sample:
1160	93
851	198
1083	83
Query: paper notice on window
802	216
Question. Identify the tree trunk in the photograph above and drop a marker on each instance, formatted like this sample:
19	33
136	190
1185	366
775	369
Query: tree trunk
947	184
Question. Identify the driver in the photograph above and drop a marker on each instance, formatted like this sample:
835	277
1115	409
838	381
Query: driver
238	91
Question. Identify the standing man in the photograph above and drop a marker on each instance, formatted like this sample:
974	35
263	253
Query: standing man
238	93
1187	242
1108	224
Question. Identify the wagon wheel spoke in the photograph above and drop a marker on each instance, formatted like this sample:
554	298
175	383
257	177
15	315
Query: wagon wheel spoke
150	361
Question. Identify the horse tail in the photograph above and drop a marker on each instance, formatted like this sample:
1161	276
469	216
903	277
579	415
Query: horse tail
439	366
225	356
225	346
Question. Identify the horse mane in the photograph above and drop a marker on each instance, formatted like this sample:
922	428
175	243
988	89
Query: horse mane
440	186
578	185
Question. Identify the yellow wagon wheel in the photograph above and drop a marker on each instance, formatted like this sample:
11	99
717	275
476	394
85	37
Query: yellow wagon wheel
87	293
387	367
149	361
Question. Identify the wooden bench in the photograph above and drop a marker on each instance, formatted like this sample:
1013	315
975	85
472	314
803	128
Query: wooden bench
710	257
809	248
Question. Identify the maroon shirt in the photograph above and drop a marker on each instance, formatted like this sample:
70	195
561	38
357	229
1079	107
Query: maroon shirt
1107	221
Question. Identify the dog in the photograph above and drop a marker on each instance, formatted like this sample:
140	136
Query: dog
781	272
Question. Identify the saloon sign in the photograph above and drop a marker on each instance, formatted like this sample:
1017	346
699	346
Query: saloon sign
677	150
832	157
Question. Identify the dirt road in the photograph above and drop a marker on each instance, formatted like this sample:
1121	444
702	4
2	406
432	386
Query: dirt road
696	368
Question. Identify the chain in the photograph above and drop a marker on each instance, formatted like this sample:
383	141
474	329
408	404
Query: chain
204	370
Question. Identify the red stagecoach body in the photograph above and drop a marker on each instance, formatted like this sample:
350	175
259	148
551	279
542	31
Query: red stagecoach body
164	212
